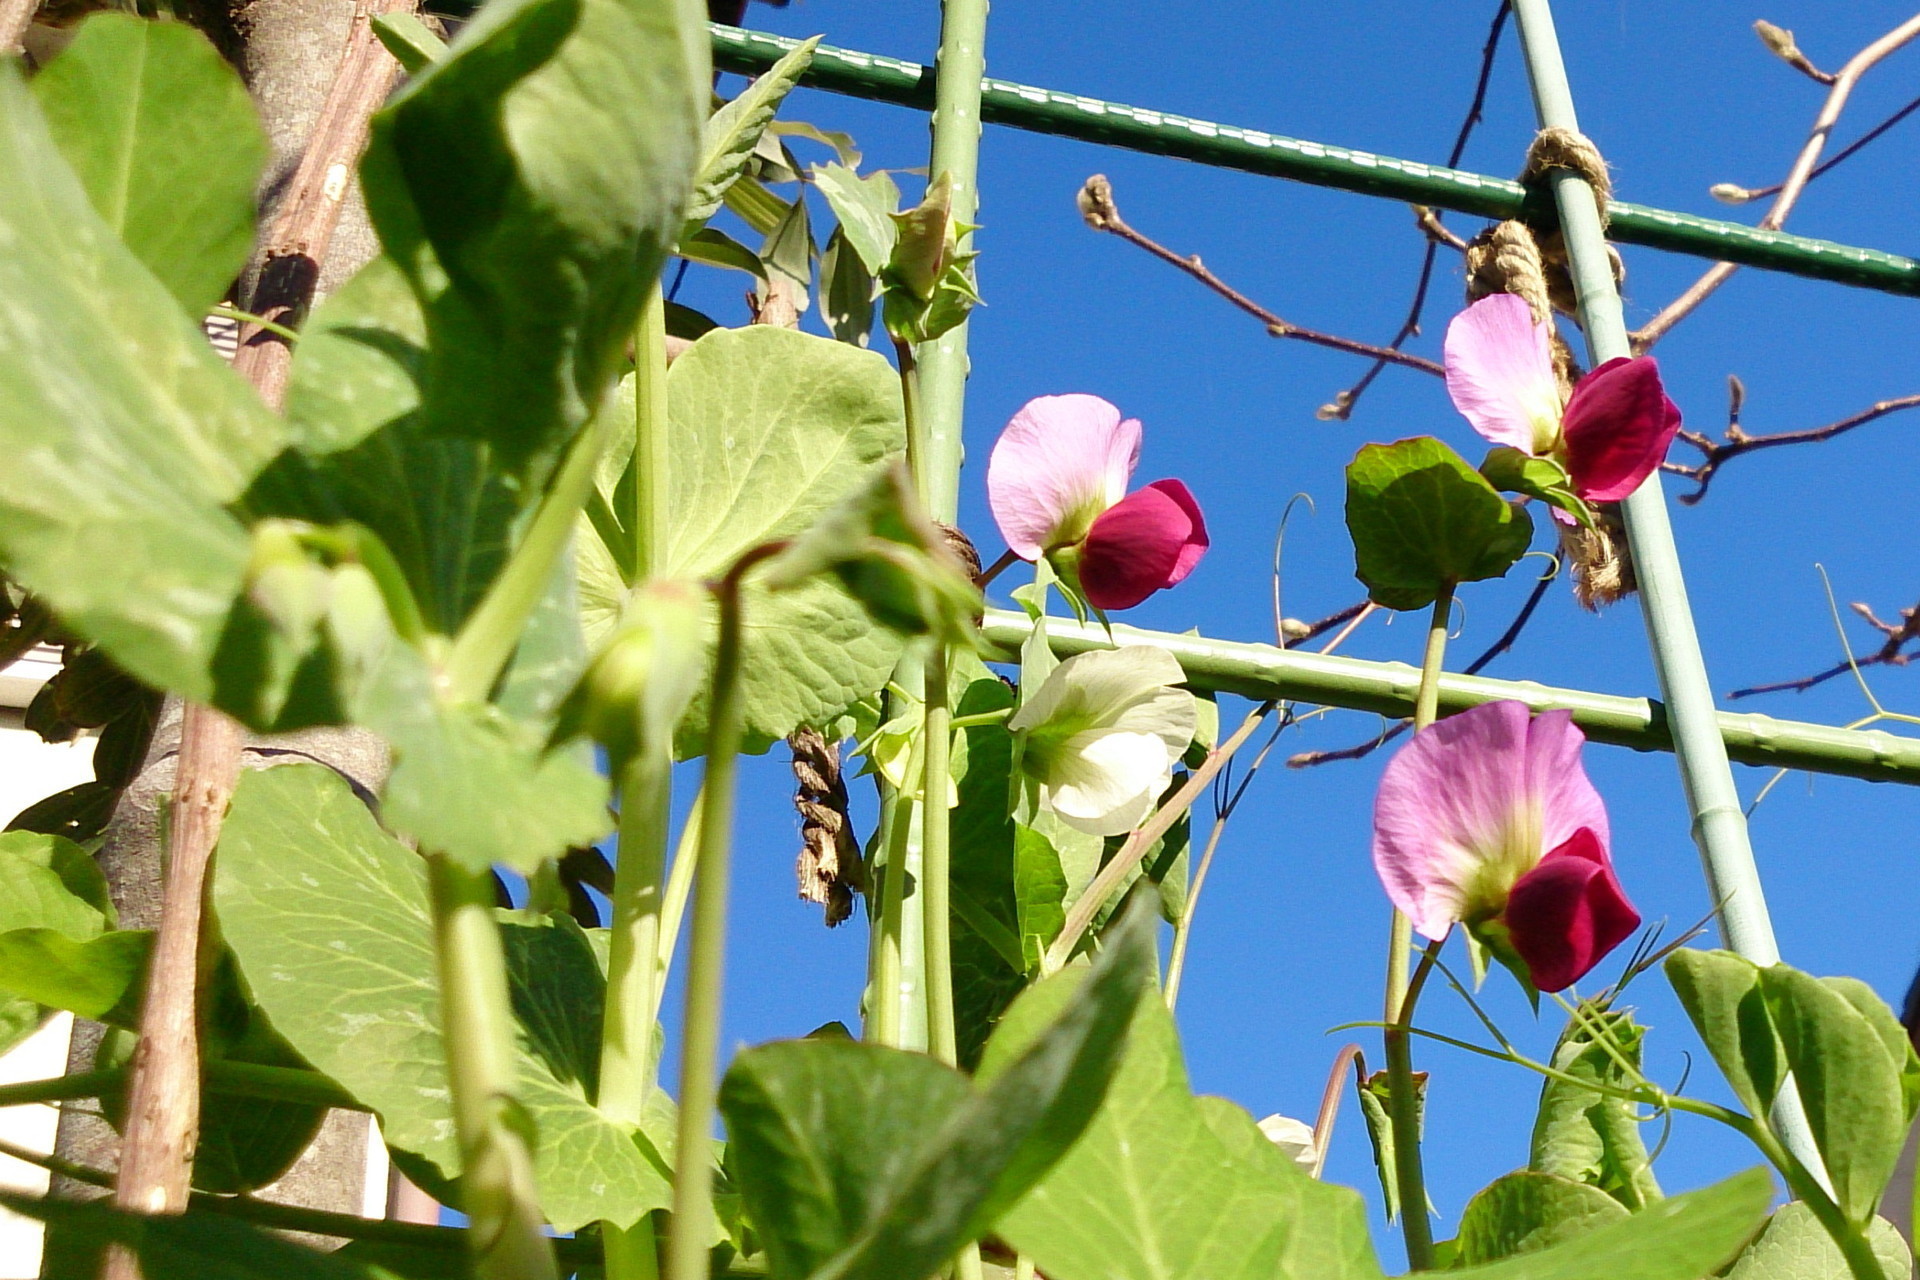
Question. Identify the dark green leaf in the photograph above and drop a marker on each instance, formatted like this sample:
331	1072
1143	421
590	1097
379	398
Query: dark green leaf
1721	993
1376	1110
51	882
1526	1212
820	1132
79	813
846	292
735	129
787	255
98	977
530	183
126	435
1867	1002
197	1246
1423	522
1847	1080
1680	1238
329	919
161	133
714	248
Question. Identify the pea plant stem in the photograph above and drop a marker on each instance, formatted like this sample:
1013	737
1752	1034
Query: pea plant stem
1403	1103
706	952
935	863
652	443
507	1238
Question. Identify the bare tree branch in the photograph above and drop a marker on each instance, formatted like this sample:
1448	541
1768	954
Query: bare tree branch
1308	759
1892	653
1428	220
1716	453
1097	206
1796	180
1727	193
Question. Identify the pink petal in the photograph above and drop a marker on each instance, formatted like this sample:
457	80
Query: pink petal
1618	426
1500	373
1149	540
1567	913
1061	461
1444	798
1558	781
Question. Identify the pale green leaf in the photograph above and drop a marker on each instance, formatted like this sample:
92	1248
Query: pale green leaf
734	130
160	131
865	208
1721	993
1794	1246
328	916
125	434
1526	1212
1590	1137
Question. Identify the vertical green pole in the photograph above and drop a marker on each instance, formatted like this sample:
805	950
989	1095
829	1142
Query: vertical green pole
1719	823
961	66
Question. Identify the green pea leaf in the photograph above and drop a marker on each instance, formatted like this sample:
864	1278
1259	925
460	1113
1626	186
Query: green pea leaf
1848	1082
1794	1246
735	130
1525	1212
1721	993
160	131
1517	471
125	433
865	208
1423	522
530	183
1588	1136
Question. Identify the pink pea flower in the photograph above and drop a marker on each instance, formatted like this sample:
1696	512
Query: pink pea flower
1487	819
1057	483
1616	427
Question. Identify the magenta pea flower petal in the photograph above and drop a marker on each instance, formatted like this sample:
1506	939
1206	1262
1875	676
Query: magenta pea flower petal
1566	914
1472	804
1500	373
1149	540
1061	461
1618	426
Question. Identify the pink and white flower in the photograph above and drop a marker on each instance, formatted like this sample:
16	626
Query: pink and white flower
1057	483
1616	426
1487	819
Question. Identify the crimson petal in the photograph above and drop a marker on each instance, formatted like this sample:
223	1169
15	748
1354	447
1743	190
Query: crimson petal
1617	427
1149	540
1566	914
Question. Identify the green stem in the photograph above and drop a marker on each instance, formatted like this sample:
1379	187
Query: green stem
1851	1241
706	956
686	860
1403	1103
631	1253
652	441
507	1239
488	638
910	407
627	1049
935	864
247	317
228	1079
892	986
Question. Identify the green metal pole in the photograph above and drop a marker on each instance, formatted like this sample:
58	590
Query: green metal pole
1262	672
960	69
1228	146
1719	822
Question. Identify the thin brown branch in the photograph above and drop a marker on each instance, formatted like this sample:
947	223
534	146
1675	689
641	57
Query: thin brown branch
1781	44
1428	220
298	240
1298	632
1730	194
1097	206
1795	182
1717	453
1892	653
15	17
1360	750
163	1092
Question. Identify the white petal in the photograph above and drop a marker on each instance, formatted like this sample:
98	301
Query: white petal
1295	1138
1107	782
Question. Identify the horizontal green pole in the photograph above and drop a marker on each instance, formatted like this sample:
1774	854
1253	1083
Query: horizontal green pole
1069	115
1263	671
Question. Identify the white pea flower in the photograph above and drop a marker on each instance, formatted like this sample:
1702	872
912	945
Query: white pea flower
1101	735
1295	1140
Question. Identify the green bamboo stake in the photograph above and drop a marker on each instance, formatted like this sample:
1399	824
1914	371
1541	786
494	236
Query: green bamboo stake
1719	823
1228	146
1263	672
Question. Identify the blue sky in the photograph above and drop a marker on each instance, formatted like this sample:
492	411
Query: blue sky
1291	932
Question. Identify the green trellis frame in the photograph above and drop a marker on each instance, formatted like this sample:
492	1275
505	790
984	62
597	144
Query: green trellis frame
1258	670
1687	723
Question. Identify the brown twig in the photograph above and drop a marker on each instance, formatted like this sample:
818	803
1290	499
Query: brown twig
298	240
1308	759
1780	43
1428	220
1730	194
1097	206
1796	180
15	17
1717	453
163	1092
1298	632
1892	653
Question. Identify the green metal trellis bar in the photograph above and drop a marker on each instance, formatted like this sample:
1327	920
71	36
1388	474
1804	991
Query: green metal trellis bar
1262	671
1070	115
